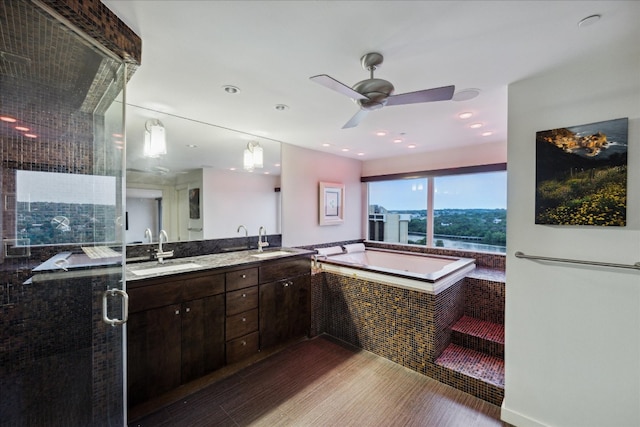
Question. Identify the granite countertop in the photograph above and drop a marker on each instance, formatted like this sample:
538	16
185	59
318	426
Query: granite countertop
171	266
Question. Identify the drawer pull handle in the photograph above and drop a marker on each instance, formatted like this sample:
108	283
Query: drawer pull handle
244	276
244	343
188	309
177	311
244	319
244	295
285	284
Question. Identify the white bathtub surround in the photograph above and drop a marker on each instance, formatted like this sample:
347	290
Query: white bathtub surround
424	273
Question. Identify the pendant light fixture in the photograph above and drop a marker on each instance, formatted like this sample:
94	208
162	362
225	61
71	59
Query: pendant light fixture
155	143
253	156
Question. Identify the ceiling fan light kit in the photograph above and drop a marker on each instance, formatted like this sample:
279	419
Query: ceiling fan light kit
373	94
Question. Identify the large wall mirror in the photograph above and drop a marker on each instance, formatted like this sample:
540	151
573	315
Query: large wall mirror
201	187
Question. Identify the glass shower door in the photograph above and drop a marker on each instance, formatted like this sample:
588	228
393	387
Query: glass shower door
62	300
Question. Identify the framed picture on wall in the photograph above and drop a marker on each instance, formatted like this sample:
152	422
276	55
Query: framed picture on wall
331	206
581	174
194	203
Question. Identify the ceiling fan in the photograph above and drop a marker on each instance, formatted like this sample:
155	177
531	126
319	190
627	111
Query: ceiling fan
373	94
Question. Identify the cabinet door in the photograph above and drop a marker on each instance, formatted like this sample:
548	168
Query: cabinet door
153	352
300	314
274	313
202	336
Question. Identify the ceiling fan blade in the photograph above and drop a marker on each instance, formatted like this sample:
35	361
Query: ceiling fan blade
444	93
356	119
333	84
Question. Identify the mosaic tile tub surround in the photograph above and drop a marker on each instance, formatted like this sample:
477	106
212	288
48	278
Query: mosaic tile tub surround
409	327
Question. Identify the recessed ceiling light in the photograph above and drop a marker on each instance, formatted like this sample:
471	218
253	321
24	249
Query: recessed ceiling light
488	133
22	128
465	94
30	135
277	165
397	140
381	133
267	173
475	125
282	107
345	149
589	20
8	119
232	169
360	154
116	135
326	144
411	146
231	89
117	141
192	145
465	115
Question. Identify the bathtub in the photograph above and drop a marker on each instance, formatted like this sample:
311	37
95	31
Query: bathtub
415	271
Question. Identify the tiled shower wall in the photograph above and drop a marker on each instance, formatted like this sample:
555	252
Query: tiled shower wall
56	358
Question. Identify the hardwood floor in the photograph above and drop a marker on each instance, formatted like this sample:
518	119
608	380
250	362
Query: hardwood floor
324	382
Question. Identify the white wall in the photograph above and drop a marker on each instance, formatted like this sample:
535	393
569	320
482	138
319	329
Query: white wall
231	199
142	213
572	332
489	153
302	171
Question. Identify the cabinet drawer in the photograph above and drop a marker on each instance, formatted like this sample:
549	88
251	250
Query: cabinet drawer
155	295
272	271
241	324
201	287
242	300
242	347
242	279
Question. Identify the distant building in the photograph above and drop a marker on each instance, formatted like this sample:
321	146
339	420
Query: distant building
388	227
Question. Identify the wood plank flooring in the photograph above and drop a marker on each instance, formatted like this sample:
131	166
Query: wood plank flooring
324	382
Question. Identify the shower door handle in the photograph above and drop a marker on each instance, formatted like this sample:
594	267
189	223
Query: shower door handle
125	306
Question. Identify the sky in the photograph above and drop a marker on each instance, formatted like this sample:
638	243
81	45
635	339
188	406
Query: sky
480	191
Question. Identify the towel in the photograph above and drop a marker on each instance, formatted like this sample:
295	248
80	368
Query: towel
354	247
329	251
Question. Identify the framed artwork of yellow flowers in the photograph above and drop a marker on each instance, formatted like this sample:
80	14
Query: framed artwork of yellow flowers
581	174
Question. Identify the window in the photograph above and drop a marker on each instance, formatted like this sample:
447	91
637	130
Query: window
55	208
398	211
468	211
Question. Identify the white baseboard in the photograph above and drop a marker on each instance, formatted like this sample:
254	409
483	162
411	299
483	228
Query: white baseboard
517	419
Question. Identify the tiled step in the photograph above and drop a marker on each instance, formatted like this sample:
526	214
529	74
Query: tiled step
474	364
480	335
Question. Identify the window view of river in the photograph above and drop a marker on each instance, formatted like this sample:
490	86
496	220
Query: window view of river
463	245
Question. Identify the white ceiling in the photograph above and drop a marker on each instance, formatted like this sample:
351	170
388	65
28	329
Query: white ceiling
269	49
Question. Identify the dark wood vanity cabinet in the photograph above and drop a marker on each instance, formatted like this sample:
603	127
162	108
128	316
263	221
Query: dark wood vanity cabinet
285	301
175	333
184	326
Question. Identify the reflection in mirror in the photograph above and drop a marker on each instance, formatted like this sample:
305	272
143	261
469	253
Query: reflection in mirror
199	189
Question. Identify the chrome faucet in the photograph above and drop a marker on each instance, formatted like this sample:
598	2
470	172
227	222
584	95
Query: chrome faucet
161	254
148	235
246	234
262	244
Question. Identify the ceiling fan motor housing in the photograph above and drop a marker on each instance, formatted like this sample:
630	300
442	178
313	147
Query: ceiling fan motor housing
376	90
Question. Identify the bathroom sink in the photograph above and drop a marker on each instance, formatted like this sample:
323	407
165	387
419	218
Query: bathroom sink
166	269
271	254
